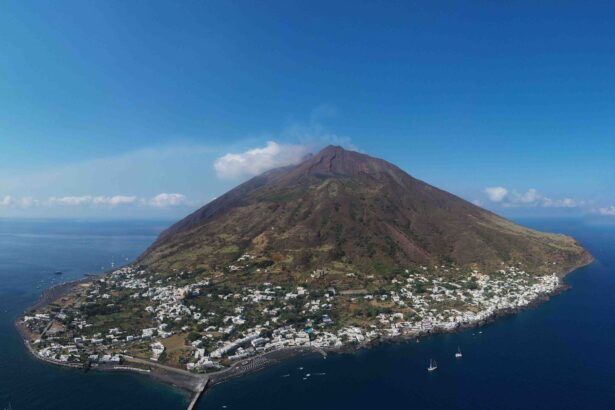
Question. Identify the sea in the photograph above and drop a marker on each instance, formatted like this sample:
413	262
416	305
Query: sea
557	355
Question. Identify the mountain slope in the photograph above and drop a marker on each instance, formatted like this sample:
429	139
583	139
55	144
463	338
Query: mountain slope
340	209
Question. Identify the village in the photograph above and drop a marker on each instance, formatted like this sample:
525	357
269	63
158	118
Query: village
201	324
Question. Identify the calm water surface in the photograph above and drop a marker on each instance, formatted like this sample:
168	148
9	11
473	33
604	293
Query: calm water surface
558	355
30	251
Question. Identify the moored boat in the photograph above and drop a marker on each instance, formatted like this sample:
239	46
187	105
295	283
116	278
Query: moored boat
432	365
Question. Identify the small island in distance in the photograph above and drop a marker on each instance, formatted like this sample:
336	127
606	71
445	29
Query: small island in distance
337	252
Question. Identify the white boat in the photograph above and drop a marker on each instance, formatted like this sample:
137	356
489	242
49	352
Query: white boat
432	365
458	354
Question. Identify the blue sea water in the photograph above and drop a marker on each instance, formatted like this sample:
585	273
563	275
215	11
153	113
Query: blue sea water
557	355
30	252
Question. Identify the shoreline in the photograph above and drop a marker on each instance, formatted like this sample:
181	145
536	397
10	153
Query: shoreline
238	370
196	384
191	384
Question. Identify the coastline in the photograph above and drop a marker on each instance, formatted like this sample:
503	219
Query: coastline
238	370
192	384
196	384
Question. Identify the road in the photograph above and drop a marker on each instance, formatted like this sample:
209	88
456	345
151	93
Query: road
162	366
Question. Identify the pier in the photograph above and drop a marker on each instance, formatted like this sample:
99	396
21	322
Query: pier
197	394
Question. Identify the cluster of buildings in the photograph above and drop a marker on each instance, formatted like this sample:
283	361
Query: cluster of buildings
226	324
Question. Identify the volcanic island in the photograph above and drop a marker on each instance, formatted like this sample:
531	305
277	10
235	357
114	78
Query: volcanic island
338	252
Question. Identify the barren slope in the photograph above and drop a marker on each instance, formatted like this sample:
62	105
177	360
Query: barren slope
343	208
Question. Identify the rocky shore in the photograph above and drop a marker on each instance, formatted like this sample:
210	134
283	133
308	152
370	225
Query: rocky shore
262	361
194	383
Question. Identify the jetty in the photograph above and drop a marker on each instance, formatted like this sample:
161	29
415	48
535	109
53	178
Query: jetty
197	394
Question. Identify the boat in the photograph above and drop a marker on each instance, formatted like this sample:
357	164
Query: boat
458	354
432	365
59	272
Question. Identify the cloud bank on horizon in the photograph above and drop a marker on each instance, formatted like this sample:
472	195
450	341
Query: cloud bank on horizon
607	211
168	180
196	174
194	111
532	198
162	200
257	160
229	166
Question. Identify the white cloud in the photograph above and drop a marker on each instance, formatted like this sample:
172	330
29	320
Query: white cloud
115	200
163	200
530	198
314	134
6	200
112	201
496	194
561	203
25	202
166	200
70	200
307	136
28	201
137	173
258	160
607	211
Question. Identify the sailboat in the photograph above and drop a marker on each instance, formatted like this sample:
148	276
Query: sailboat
458	354
432	365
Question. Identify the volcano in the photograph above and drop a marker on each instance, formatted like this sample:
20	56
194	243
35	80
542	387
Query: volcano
344	210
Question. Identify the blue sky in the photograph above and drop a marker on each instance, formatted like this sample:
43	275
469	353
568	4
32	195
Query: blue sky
123	109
